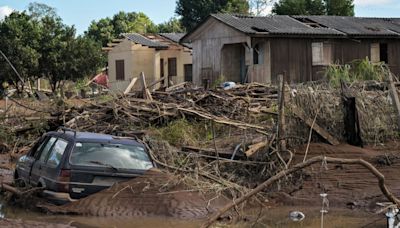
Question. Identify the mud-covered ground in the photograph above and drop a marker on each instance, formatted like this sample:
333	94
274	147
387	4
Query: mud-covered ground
352	192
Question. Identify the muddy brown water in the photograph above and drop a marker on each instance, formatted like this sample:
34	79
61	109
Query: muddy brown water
272	217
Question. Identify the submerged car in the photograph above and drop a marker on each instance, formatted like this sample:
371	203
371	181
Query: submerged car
71	165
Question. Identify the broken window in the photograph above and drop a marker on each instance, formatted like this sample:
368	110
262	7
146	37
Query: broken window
321	54
258	54
120	70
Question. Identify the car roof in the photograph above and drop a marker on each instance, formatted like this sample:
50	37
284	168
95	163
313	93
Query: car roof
94	137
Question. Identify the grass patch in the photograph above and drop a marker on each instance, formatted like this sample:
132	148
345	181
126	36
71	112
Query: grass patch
358	70
180	132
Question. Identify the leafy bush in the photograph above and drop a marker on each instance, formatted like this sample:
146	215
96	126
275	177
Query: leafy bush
358	70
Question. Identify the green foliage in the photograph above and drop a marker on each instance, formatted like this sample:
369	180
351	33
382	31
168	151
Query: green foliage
19	35
365	70
336	73
39	44
358	70
340	7
173	25
314	7
181	132
192	12
106	29
40	10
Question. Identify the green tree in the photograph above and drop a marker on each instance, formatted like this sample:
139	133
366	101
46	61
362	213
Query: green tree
106	29
19	35
340	7
192	12
314	7
64	56
39	10
299	7
173	25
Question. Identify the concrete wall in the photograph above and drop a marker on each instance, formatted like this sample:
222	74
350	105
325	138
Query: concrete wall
139	59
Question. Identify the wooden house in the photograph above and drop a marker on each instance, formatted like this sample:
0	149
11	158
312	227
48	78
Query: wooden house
257	49
157	56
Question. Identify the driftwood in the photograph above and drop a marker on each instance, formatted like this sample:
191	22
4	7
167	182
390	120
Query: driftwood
130	86
255	148
146	91
381	178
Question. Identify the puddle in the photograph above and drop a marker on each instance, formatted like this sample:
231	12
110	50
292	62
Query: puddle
275	217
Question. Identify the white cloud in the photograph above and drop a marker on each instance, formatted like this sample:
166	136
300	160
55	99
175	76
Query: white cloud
5	11
372	2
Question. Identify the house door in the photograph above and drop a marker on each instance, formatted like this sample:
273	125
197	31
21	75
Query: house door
233	65
188	72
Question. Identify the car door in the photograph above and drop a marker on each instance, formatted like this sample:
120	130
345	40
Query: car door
51	168
40	159
24	165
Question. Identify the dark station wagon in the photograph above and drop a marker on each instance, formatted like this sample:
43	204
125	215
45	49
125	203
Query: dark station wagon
71	165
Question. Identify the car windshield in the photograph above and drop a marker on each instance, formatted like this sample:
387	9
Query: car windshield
116	156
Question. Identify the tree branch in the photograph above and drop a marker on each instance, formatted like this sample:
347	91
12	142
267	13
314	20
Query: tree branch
283	173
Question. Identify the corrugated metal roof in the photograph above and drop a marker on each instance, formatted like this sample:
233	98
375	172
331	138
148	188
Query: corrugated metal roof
358	26
139	39
312	25
175	37
273	25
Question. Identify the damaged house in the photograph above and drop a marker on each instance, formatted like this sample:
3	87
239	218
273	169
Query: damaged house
257	49
157	56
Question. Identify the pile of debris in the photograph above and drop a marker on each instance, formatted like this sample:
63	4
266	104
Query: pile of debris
238	107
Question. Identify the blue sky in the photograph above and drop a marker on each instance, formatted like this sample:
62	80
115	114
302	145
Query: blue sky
81	12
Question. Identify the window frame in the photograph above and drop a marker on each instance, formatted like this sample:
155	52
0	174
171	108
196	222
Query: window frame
172	67
323	52
120	70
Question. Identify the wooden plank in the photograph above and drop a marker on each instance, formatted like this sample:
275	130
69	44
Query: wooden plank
253	149
156	82
309	121
130	86
395	98
146	92
281	114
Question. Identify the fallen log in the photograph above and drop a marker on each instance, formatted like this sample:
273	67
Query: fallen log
314	160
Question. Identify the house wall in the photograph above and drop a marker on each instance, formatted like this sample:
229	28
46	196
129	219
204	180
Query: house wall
294	56
139	59
289	56
183	56
208	42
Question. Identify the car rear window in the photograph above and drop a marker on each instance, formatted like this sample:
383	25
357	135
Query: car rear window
112	155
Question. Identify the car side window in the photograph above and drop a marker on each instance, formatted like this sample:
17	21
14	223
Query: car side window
57	152
46	149
38	147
